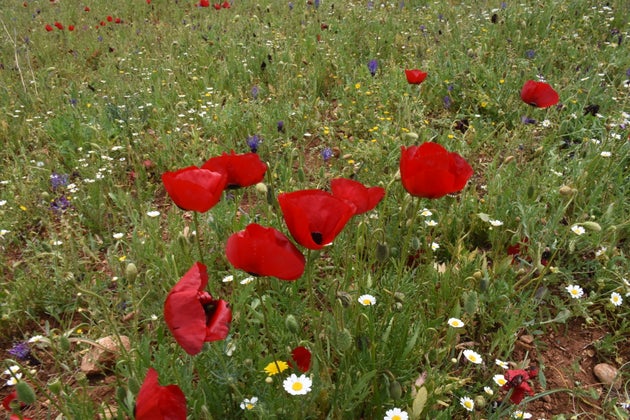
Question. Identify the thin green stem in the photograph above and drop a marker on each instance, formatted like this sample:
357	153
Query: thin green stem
197	234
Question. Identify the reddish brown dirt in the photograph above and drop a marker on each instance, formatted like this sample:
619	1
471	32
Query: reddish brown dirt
568	356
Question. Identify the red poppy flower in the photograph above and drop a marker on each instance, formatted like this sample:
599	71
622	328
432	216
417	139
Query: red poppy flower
204	3
225	5
59	26
71	28
6	402
358	195
264	251
194	188
156	402
217	6
192	315
241	170
539	94
118	20
49	28
415	77
314	217
517	382
110	19
430	171
301	359
86	8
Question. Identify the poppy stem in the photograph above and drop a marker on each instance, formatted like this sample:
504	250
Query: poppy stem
197	232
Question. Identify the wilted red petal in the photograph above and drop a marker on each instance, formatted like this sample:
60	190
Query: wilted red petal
184	313
194	188
302	358
517	381
431	171
539	94
156	402
314	217
241	170
353	192
220	317
415	76
264	252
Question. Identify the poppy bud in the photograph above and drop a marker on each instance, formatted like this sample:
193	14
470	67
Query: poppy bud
344	340
480	401
25	393
261	188
55	386
131	272
566	190
382	252
592	226
291	324
395	390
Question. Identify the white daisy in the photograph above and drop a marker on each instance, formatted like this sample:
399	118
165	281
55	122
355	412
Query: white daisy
297	385
499	380
575	291
249	403
396	414
455	323
616	298
153	213
473	356
367	300
501	363
467	403
578	230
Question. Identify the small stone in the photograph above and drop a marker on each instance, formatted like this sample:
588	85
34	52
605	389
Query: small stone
607	374
103	355
526	338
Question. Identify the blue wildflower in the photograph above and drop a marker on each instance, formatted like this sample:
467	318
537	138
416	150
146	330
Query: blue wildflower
372	67
253	143
327	153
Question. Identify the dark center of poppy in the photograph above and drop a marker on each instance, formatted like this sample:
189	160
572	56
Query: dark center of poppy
318	238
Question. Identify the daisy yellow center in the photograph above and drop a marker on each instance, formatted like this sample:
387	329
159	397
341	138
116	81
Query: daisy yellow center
468	404
249	406
396	417
367	301
574	292
297	386
472	358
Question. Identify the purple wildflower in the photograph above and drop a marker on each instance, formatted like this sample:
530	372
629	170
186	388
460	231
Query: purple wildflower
628	73
58	180
253	143
530	54
503	5
447	102
281	126
20	351
316	4
372	67
290	5
526	120
59	205
327	153
255	91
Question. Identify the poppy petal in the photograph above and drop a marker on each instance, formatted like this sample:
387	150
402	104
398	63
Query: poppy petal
431	171
193	188
218	326
265	252
361	197
314	217
155	402
539	94
184	314
241	170
302	358
415	76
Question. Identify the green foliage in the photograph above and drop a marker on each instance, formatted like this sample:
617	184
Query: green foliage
113	107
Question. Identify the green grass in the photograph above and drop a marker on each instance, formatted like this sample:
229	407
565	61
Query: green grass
114	107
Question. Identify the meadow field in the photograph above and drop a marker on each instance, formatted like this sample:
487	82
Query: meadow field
315	209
